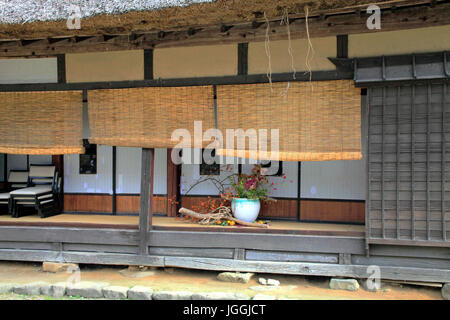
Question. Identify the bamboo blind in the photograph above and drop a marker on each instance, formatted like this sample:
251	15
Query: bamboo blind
37	122
146	117
317	121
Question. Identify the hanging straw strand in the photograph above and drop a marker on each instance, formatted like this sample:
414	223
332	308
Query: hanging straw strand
310	46
290	50
267	47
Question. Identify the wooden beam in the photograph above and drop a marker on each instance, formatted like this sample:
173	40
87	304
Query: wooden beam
69	235
197	81
61	66
317	269
407	17
299	190
114	182
443	156
342	45
220	264
81	257
145	213
421	243
242	58
173	185
239	254
5	167
148	64
257	241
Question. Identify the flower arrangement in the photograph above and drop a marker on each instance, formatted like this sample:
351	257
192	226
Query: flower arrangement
243	187
250	186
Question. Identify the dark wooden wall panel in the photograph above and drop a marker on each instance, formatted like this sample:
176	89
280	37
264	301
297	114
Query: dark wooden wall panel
131	203
282	208
127	204
332	211
173	185
191	202
87	203
103	203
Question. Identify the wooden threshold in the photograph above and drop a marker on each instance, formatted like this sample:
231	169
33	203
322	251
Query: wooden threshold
177	224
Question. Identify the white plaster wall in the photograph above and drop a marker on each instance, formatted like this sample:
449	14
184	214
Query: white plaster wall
333	180
74	182
160	172
42	70
284	187
190	174
128	172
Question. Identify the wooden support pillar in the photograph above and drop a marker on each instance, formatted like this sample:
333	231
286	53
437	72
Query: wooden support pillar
145	212
173	185
114	168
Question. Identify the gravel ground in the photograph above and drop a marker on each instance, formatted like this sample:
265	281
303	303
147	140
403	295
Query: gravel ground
194	281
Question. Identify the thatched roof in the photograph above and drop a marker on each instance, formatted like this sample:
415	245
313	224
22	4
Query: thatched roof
29	19
21	11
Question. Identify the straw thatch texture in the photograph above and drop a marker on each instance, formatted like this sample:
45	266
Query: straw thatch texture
317	121
41	122
34	19
147	117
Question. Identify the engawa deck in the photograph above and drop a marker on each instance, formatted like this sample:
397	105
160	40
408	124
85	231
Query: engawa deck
167	223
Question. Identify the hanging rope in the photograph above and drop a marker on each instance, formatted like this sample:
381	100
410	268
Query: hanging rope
267	47
285	20
310	46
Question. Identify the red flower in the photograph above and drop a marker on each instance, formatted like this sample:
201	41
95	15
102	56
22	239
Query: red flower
250	184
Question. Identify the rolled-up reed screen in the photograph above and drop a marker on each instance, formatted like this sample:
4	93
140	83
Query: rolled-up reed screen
41	122
317	121
147	117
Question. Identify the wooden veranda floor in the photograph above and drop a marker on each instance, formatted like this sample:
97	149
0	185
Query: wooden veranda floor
169	223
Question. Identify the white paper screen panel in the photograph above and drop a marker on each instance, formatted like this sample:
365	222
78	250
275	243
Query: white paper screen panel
42	70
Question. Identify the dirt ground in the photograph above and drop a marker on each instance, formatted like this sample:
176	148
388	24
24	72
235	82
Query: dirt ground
293	287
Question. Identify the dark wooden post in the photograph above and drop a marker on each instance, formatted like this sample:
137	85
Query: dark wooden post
145	212
173	185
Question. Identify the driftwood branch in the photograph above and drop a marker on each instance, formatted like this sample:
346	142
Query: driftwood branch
219	215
